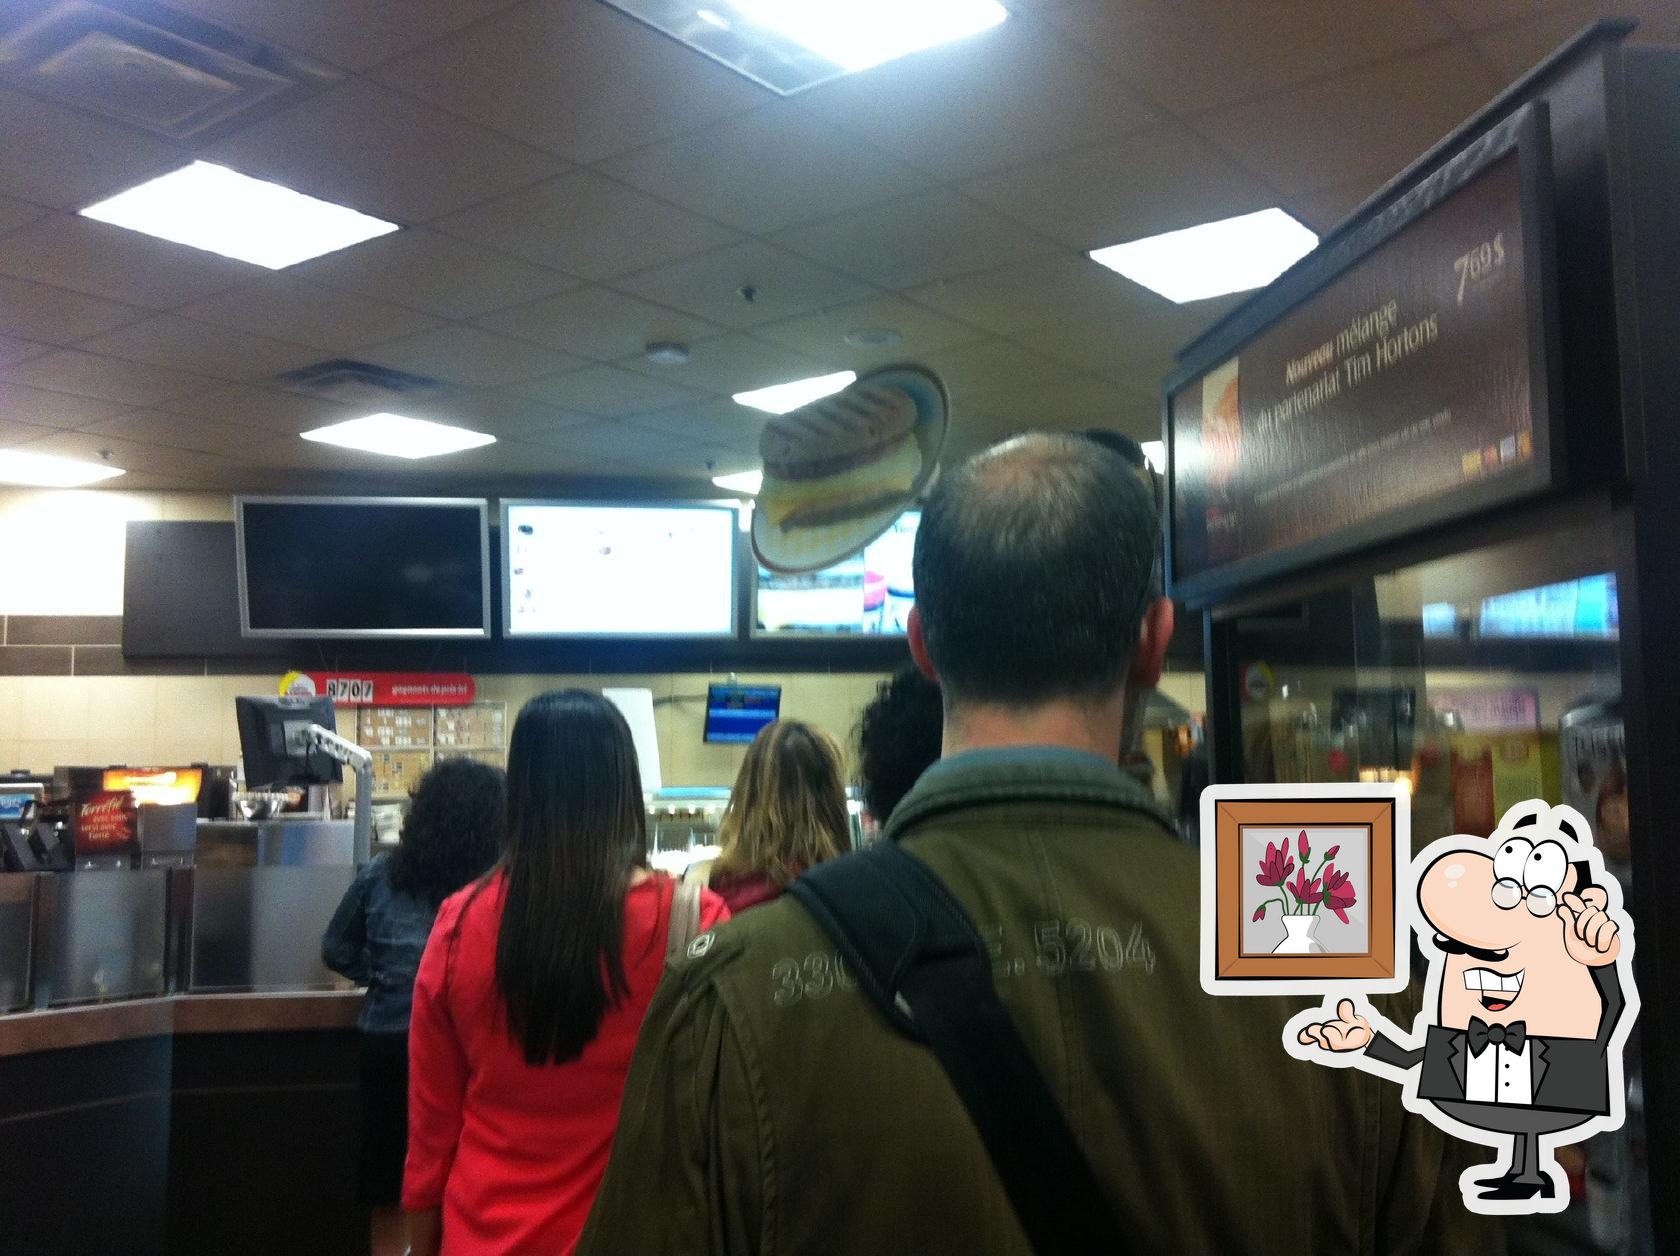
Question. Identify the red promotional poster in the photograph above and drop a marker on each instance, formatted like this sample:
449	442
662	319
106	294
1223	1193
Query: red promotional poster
385	689
105	824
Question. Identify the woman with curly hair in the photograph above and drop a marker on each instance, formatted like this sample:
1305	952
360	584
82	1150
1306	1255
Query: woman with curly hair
786	813
452	835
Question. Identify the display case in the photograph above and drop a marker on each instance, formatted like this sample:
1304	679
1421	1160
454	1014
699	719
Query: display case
1443	547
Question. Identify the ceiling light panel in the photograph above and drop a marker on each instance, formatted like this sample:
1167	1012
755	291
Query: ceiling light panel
780	398
748	482
789	45
1216	258
210	207
398	436
18	466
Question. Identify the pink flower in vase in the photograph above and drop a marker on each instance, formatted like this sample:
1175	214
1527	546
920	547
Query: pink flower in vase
1302	843
1306	892
1338	894
1332	852
1277	865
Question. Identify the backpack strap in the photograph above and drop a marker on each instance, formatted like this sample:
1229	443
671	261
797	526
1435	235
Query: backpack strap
685	918
915	952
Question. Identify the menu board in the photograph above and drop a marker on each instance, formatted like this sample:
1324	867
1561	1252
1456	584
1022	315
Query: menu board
1406	390
869	594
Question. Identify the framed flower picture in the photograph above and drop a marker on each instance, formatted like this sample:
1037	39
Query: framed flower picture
1300	888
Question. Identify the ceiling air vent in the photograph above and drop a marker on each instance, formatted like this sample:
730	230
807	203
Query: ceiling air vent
350	382
151	68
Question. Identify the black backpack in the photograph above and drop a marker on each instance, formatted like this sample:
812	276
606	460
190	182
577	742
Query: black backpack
914	950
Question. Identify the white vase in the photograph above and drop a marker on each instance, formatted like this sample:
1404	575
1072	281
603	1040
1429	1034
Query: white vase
1298	936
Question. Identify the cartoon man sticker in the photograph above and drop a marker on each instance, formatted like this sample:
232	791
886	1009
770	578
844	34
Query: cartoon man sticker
1528	1003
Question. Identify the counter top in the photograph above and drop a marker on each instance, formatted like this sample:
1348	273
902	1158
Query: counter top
58	1028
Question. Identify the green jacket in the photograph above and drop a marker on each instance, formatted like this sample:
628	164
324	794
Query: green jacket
771	1110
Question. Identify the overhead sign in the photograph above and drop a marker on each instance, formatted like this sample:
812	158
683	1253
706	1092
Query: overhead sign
384	689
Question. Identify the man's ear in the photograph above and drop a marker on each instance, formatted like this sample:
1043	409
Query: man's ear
1154	635
918	645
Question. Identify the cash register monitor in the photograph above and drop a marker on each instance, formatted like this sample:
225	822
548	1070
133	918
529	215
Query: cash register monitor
271	737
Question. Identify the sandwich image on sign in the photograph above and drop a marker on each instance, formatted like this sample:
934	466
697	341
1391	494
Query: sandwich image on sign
839	471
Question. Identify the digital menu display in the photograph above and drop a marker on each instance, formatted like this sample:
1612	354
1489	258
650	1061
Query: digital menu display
1406	390
574	569
870	594
1571	609
736	713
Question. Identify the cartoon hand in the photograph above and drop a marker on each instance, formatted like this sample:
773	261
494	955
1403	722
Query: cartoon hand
1589	935
1348	1032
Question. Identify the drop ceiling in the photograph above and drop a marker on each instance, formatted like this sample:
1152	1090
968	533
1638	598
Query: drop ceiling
573	185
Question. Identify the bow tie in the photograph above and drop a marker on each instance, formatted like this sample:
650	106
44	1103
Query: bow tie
1481	1033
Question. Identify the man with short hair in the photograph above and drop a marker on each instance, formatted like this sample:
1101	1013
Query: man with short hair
772	1109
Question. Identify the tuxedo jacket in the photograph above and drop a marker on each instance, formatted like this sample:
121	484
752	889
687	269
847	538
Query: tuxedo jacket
1568	1074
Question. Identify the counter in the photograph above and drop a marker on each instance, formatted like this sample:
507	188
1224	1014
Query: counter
59	1028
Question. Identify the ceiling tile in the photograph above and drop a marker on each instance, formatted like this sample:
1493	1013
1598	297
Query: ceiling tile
1369	123
1075	311
710	285
579	79
13	349
1011	94
104	378
630	445
120	265
990	373
824	334
1473	14
285	413
57	315
175	465
912	241
68	160
586	224
767	169
1515	48
209	349
606	391
355	34
427	270
382	153
735	363
177	431
295	310
14	213
1325	209
1157	180
1190	56
44	408
597	323
503	412
724	425
14	434
469	356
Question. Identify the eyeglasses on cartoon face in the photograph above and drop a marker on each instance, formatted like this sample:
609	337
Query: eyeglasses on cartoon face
1528	873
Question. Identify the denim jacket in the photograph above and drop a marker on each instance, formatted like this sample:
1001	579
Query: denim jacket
376	938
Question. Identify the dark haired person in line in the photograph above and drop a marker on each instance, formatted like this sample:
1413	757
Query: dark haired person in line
786	813
898	738
768	1081
532	990
452	834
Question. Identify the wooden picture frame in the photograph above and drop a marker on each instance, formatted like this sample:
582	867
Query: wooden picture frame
1382	964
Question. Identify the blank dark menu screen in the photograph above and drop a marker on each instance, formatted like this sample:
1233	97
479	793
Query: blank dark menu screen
1404	382
364	567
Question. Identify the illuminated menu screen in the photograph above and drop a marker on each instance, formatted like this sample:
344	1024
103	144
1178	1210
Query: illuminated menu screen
870	594
1402	393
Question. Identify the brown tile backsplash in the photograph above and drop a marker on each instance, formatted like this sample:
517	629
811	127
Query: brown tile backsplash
35	660
108	660
64	630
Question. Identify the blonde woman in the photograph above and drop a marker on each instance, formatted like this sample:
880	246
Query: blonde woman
786	813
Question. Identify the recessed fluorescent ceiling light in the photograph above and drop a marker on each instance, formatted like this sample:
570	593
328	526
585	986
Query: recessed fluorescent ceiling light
1155	454
50	471
219	210
780	398
1231	255
399	436
748	482
789	45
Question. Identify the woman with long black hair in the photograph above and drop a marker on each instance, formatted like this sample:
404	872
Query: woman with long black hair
531	993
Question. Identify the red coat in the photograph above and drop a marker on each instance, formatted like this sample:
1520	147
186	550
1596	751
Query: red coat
742	892
513	1154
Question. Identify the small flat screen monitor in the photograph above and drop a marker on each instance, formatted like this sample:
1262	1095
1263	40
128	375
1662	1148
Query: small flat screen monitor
869	594
1583	609
1440	619
574	569
271	738
735	713
364	567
